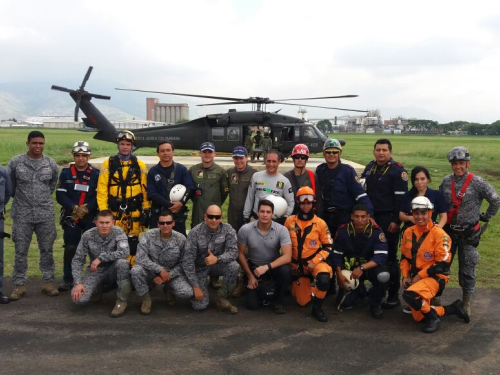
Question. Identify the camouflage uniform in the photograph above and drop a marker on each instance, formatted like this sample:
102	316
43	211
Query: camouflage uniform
267	145
113	251
33	182
222	244
154	254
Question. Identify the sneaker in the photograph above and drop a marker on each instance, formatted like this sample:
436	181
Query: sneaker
391	303
18	293
65	286
279	309
48	289
4	299
407	310
376	312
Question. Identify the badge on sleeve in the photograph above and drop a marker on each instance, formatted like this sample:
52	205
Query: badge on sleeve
404	176
381	237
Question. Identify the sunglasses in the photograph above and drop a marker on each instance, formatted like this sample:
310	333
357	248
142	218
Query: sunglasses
331	152
214	217
306	197
301	157
165	222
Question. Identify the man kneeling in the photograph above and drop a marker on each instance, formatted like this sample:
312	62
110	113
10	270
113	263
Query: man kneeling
159	260
425	262
107	248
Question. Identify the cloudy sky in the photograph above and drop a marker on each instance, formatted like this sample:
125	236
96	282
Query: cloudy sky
426	59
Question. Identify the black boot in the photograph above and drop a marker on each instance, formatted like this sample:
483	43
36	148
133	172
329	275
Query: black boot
4	299
376	312
432	322
457	308
317	311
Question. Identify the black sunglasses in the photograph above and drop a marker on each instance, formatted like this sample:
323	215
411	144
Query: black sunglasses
165	222
332	152
212	217
301	157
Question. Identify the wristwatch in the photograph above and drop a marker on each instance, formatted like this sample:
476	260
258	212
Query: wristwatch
362	268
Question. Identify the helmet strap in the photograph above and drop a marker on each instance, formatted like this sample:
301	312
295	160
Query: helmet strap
305	216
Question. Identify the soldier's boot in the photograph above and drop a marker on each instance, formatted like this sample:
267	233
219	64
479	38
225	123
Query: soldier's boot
215	282
223	303
146	304
457	308
436	301
124	290
170	297
49	289
317	310
466	301
432	322
18	293
240	288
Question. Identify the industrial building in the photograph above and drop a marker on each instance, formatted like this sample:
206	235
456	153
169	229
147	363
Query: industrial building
169	113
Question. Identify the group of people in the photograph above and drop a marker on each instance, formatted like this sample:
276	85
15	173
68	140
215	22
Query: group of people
336	229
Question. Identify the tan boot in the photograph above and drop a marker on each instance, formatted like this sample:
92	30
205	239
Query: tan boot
215	282
224	305
18	293
466	303
240	289
146	304
49	289
119	309
169	295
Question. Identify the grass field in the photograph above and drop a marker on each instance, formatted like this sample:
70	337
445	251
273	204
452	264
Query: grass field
413	150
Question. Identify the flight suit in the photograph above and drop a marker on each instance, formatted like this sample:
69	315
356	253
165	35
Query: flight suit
238	189
33	182
211	188
431	264
311	241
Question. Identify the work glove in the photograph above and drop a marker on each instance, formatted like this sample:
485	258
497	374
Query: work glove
81	211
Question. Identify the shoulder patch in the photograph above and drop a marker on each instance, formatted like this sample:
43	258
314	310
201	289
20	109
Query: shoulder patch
404	176
382	238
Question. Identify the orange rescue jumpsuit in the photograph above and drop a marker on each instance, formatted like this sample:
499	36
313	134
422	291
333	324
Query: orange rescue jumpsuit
434	250
312	250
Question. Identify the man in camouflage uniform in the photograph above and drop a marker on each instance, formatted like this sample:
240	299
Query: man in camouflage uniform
34	179
249	142
159	260
267	145
5	194
107	248
464	192
211	250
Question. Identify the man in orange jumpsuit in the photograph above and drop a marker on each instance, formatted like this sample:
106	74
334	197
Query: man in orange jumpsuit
311	245
425	262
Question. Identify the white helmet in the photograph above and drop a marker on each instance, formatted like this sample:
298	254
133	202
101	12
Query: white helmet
421	203
177	193
353	283
280	205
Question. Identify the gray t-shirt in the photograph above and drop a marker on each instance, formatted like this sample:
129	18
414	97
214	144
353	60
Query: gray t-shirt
263	249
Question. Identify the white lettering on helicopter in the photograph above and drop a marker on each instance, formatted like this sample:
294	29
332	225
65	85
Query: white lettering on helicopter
158	138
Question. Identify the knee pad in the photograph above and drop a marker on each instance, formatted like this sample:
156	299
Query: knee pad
413	299
323	281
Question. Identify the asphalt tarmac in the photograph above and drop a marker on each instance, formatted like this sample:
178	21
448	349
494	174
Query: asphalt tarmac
49	335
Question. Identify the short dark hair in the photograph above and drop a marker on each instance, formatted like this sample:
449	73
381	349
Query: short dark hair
162	143
104	213
265	202
280	155
383	141
417	170
360	207
166	213
35	134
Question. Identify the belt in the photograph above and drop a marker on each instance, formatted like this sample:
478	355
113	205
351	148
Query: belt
460	228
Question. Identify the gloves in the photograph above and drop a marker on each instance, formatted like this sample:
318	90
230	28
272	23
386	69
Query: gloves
81	211
145	218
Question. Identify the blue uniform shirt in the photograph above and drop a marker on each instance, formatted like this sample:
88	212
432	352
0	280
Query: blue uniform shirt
356	248
66	194
436	198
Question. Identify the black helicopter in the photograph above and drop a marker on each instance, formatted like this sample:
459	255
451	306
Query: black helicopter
225	130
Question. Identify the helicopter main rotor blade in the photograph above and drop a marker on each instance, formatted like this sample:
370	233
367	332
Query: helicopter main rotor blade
59	88
97	96
77	108
317	106
324	97
174	93
224	103
85	79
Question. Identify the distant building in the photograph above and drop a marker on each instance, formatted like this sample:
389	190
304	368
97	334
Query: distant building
169	113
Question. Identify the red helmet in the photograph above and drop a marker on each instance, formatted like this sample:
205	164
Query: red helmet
300	149
305	193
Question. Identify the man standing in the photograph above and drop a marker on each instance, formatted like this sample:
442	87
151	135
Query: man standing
211	250
107	248
161	178
77	195
425	265
159	260
361	248
5	194
299	176
464	192
339	187
311	246
34	179
267	145
268	182
386	183
210	182
248	142
257	139
122	190
267	269
239	181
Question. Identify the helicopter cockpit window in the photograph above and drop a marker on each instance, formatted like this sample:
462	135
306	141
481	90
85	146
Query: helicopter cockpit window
309	132
287	133
233	134
217	134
